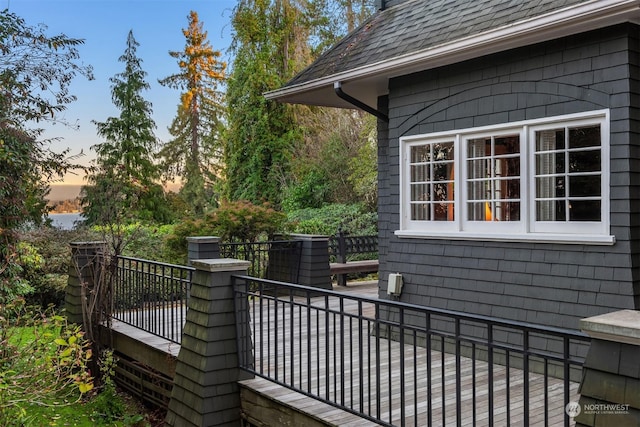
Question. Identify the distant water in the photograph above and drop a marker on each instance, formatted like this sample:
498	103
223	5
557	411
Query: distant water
64	221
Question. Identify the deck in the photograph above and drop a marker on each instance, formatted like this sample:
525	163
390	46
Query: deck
426	399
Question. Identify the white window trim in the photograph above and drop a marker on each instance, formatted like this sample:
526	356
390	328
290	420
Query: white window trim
519	231
489	226
405	192
598	228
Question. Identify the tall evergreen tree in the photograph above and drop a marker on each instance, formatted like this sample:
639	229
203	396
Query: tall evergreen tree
194	154
270	44
331	20
123	184
269	145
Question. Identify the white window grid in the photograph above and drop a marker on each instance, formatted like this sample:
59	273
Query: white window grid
527	227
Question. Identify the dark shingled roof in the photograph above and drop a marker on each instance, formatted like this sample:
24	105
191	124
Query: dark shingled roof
416	25
412	35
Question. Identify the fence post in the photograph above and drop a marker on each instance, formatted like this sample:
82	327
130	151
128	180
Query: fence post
81	271
342	246
314	261
342	256
611	373
203	247
205	390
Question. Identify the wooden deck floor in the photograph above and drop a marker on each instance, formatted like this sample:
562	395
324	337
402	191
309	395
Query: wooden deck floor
370	381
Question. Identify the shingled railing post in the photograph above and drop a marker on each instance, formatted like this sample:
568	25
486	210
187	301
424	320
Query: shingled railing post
314	261
611	373
82	271
205	390
203	247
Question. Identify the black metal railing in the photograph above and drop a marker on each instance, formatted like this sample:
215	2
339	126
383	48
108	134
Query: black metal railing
273	259
152	296
400	364
345	248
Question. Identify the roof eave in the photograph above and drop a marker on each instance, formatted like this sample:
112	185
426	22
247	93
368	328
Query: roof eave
369	82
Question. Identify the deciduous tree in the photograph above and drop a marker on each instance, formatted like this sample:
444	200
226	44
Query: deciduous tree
328	162
36	70
35	73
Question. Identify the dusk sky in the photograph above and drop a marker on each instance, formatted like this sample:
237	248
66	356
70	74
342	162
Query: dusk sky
104	24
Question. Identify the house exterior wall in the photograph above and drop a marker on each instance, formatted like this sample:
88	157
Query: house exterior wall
543	283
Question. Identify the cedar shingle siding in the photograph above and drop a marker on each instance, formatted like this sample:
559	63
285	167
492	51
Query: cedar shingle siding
543	283
569	70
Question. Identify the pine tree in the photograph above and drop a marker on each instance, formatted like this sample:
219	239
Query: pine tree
194	154
123	184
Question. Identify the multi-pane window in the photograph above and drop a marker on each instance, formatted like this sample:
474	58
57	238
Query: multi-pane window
432	190
568	174
527	179
493	178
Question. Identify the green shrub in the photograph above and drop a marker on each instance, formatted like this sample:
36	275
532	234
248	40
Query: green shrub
239	221
107	406
137	240
43	361
44	377
145	241
13	285
311	192
353	219
44	256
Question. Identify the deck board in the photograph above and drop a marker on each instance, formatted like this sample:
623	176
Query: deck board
381	377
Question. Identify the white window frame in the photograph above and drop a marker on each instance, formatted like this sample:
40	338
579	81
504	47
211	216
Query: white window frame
490	226
574	227
528	228
447	226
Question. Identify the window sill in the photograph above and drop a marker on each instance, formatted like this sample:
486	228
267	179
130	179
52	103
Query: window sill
572	239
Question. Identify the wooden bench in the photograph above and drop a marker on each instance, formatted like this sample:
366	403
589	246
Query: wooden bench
363	266
342	247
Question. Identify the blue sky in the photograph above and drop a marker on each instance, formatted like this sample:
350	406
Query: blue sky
104	24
